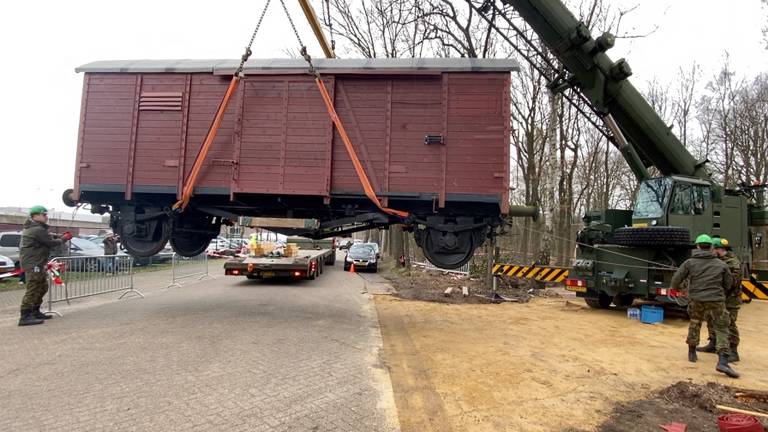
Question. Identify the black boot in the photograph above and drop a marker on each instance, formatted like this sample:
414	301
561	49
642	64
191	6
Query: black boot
708	348
692	357
28	318
734	356
39	315
723	367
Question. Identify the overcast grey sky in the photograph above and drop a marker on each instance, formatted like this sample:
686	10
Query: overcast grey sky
43	41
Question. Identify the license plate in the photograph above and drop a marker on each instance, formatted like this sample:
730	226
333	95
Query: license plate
576	289
268	274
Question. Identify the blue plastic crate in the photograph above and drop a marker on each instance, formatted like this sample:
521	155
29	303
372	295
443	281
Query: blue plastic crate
651	314
633	313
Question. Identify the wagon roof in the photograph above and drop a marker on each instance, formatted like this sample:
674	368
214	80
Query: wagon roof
299	66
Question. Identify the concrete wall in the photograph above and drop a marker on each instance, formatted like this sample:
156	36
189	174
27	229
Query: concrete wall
16	223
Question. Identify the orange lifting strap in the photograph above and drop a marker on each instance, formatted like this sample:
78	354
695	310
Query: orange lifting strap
369	192
190	182
189	185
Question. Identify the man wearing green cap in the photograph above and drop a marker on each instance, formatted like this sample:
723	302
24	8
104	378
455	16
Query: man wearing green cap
36	245
708	280
732	299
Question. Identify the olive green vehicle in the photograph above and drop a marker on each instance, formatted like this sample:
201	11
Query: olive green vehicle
623	255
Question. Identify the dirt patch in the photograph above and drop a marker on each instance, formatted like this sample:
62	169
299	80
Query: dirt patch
551	365
429	285
683	402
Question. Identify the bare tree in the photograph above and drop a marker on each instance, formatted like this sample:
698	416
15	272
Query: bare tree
378	28
457	30
685	98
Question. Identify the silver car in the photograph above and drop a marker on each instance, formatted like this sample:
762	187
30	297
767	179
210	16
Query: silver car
6	264
9	245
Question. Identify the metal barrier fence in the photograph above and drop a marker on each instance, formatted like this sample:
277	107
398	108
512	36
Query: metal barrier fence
185	267
463	270
77	277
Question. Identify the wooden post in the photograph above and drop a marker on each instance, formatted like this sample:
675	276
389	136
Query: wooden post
407	249
490	248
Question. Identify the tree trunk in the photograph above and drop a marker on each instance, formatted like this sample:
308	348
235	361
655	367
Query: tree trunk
397	244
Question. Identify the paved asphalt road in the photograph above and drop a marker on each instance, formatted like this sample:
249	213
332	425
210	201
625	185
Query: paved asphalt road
222	354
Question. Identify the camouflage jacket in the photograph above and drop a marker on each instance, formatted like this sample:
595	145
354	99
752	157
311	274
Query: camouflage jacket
709	277
36	245
733	294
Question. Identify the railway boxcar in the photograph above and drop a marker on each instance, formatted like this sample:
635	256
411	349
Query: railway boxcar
431	134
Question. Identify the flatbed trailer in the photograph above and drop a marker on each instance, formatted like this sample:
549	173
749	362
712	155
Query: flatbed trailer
308	264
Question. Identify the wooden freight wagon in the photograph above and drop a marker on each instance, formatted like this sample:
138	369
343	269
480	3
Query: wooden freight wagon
431	134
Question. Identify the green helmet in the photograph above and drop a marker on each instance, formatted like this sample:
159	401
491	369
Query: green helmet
720	243
703	239
38	209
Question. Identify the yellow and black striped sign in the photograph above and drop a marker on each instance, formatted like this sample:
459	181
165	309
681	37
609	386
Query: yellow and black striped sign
753	289
540	273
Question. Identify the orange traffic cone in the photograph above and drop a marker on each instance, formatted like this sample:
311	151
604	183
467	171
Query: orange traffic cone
352	268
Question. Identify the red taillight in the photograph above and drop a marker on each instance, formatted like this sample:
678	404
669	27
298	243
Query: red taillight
575	282
297	274
235	272
313	265
671	292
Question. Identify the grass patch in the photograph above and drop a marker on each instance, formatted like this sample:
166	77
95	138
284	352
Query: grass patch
11	284
152	268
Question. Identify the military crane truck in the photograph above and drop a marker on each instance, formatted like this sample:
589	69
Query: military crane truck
621	254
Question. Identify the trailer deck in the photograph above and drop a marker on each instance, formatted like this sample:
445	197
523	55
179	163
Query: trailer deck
307	265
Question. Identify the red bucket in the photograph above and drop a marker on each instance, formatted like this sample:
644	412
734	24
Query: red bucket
739	423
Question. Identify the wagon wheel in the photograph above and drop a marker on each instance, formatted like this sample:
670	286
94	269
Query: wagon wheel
192	232
190	245
448	250
144	239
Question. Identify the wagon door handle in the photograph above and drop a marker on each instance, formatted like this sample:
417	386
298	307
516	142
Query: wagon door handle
434	139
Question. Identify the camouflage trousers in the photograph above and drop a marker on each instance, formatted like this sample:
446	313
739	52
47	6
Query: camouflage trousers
700	312
37	287
733	329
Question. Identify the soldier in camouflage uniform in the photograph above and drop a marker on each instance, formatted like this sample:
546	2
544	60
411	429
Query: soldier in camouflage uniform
36	245
732	300
709	278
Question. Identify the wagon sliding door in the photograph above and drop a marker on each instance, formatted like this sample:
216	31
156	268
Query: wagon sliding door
283	139
387	119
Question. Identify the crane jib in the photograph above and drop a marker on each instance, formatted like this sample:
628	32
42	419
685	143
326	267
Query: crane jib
602	83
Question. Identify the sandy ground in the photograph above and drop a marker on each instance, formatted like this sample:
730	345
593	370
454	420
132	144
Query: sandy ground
547	365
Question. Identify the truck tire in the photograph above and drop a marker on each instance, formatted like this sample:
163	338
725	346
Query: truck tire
623	300
603	301
652	236
331	260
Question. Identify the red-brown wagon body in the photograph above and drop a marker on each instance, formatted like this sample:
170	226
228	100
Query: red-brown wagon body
277	152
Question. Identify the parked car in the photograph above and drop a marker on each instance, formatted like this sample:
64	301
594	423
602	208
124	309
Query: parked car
79	247
345	243
83	247
363	256
6	264
375	247
9	245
